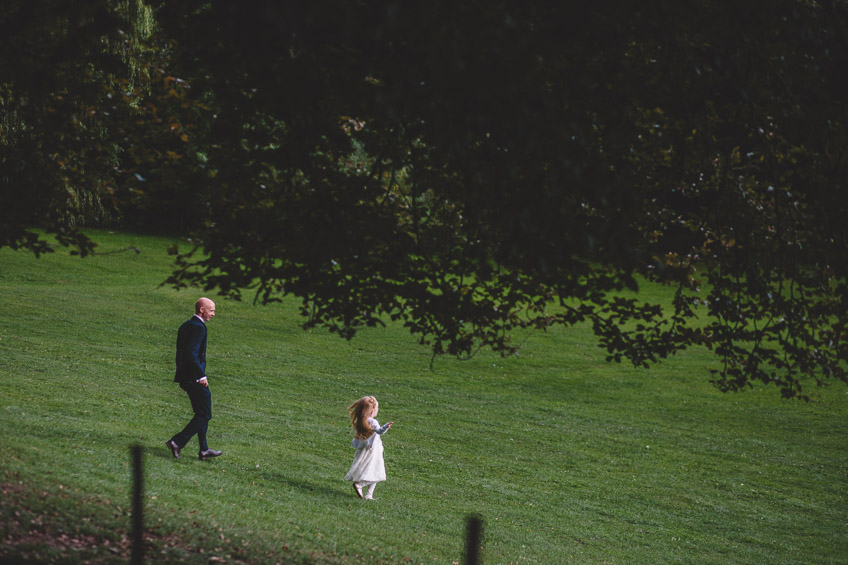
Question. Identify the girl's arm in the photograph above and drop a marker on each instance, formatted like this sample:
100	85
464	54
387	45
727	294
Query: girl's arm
378	428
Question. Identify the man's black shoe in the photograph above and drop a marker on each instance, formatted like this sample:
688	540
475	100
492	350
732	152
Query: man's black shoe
208	454
175	449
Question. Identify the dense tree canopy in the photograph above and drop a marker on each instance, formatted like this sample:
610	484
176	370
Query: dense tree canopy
51	151
467	168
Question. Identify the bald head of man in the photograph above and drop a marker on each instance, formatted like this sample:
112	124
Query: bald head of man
204	308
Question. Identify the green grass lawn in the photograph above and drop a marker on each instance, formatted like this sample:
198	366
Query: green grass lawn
566	458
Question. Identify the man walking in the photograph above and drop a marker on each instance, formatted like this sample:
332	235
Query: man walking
191	375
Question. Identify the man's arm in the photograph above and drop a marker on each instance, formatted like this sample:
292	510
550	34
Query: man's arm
194	350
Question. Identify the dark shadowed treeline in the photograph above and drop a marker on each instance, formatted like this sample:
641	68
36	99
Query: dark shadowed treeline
467	169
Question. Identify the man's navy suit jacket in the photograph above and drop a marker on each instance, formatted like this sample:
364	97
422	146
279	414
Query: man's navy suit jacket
191	351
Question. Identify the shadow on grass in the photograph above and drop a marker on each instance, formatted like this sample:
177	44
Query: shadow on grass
326	491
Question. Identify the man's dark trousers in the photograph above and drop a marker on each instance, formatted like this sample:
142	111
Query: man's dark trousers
201	403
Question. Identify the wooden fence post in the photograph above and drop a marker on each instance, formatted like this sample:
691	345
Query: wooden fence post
137	556
473	540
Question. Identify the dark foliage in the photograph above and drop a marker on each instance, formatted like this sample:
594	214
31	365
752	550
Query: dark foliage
472	168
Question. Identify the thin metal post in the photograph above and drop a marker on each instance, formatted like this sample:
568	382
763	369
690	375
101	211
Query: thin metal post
473	539
137	557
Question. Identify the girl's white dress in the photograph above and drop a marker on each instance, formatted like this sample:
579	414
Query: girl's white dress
368	465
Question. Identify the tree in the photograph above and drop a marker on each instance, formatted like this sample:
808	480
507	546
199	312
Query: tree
473	168
52	153
84	107
523	156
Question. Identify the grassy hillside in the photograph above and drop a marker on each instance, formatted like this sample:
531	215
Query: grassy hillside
565	457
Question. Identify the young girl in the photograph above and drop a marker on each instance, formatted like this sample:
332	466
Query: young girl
368	467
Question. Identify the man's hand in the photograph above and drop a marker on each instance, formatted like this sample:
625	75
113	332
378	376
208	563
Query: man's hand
204	382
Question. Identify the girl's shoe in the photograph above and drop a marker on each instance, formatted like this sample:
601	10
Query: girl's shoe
358	488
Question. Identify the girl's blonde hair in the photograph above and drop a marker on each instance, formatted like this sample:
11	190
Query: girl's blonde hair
359	412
